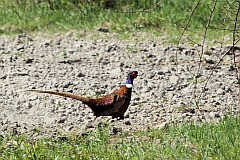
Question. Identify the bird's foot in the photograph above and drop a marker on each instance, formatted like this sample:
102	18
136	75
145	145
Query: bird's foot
118	117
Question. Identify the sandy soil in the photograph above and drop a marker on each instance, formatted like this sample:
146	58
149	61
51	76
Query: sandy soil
164	92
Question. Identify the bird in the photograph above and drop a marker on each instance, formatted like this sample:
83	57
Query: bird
114	104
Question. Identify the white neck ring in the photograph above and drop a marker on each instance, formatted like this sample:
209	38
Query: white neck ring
129	85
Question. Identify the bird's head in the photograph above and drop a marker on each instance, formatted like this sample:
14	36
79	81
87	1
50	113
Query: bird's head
131	76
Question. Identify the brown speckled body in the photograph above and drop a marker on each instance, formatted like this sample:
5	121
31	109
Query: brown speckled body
115	104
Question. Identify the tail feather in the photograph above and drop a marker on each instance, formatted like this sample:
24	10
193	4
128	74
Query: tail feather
64	94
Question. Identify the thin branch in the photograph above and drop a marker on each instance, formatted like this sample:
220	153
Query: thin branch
194	42
220	29
231	49
208	7
217	64
202	52
234	54
234	42
185	28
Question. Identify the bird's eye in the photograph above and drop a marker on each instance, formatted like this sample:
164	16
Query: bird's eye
135	74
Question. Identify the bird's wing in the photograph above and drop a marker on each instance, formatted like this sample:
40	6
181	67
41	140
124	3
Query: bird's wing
107	105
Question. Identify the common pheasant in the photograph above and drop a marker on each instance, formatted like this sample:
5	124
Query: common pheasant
114	104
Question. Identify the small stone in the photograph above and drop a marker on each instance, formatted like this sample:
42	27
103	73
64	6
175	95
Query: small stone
89	125
151	75
128	123
20	74
4	76
170	88
20	47
160	73
217	103
47	42
111	47
211	115
29	60
165	69
105	61
220	91
121	64
174	80
71	50
208	52
161	126
103	29
209	60
33	97
137	99
146	89
29	105
70	128
67	85
62	120
217	115
231	68
116	130
80	75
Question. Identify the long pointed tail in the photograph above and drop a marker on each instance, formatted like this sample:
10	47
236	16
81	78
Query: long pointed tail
64	94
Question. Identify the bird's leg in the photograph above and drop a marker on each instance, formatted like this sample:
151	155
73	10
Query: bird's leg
114	116
121	117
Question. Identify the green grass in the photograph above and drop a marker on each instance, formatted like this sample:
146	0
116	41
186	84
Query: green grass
177	141
125	17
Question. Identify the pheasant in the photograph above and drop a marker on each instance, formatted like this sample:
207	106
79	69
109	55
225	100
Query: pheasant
114	104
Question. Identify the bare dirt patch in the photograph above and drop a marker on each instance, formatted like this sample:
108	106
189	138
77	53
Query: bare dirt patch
163	93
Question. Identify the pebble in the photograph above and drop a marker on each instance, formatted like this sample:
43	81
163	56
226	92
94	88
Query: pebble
209	60
33	97
116	130
174	80
161	125
220	91
128	123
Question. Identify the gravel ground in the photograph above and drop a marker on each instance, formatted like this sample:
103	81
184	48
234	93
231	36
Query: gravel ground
164	92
